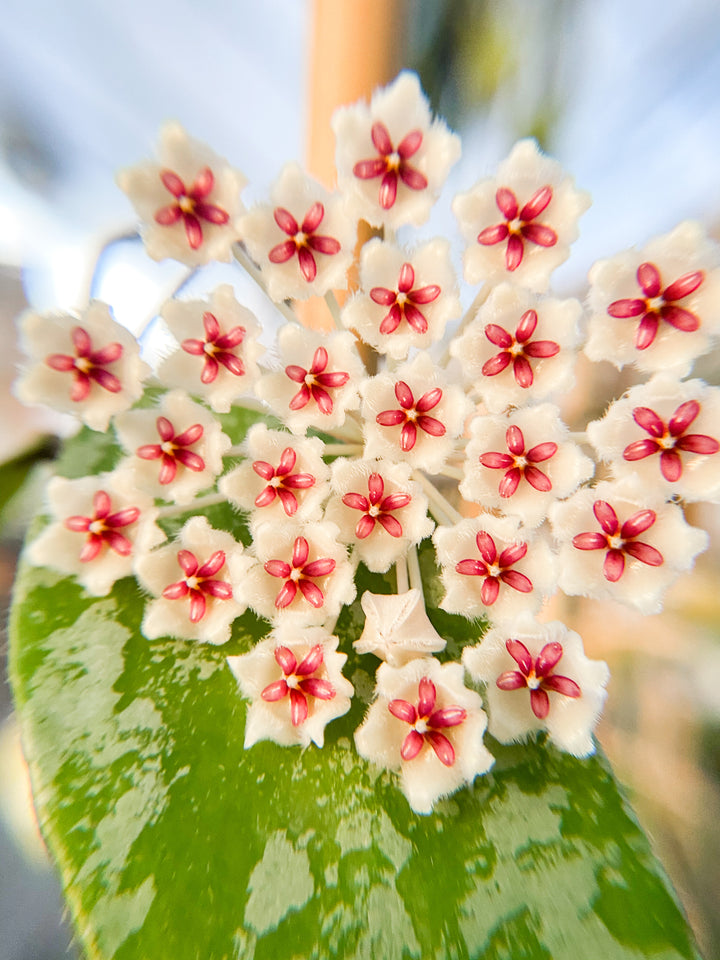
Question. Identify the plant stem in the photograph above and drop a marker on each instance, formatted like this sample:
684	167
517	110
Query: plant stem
443	511
199	503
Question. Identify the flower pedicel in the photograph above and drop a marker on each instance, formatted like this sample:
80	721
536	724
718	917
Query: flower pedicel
381	455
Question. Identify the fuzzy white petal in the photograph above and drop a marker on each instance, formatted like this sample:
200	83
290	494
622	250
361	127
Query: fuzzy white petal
397	628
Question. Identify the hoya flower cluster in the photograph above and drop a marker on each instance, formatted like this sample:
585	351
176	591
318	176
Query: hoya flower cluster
383	447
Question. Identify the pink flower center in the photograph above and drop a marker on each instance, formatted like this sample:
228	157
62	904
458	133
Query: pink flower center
537	675
670	439
427	723
658	304
518	349
217	348
299	682
316	382
281	481
102	528
519	226
619	540
412	415
496	569
518	463
403	301
191	205
304	241
392	164
173	450
377	508
88	365
199	583
300	575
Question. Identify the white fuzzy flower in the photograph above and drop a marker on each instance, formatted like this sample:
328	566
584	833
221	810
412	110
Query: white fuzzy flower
392	157
319	380
413	414
397	628
294	682
283	476
303	239
521	223
217	349
378	510
88	366
666	433
406	297
99	524
519	348
188	200
522	462
658	307
196	581
621	542
491	567
538	678
176	448
429	727
304	575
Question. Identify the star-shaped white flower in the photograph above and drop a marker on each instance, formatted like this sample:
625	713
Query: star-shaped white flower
397	628
620	541
519	348
217	349
303	240
176	448
392	157
429	727
99	525
87	365
294	682
537	677
657	307
520	224
196	582
522	462
406	297
188	200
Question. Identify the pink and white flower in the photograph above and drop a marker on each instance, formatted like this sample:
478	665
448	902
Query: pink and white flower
519	348
217	348
538	678
99	524
392	157
176	449
520	224
406	297
196	582
294	682
188	200
522	462
88	365
657	307
397	628
378	509
426	725
621	542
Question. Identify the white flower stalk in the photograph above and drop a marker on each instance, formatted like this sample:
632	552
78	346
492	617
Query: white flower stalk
88	365
406	297
303	240
520	348
392	158
176	448
282	476
379	511
397	628
426	725
295	686
520	224
490	567
318	382
413	414
666	433
217	350
99	525
658	307
196	581
303	576
188	200
537	677
620	541
522	462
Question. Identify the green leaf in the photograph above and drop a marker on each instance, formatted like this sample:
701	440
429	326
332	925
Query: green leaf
175	842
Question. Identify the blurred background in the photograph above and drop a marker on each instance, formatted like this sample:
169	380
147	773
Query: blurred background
625	93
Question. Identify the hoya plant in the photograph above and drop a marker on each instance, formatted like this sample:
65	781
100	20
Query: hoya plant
285	677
